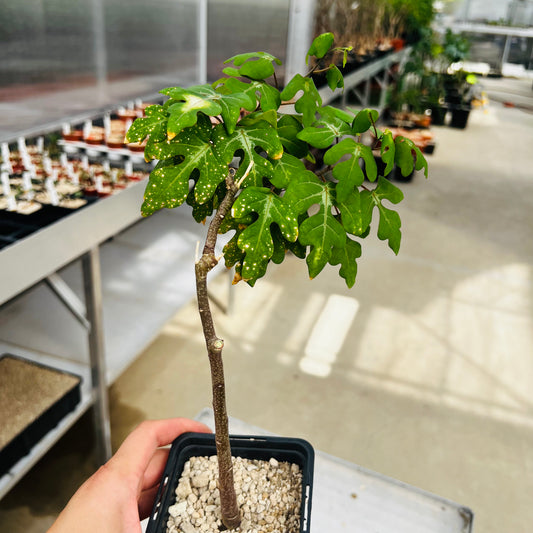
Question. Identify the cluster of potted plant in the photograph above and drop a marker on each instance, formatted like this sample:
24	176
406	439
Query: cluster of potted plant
40	184
433	83
234	151
370	28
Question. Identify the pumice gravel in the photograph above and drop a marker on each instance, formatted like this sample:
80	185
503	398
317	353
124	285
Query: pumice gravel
269	495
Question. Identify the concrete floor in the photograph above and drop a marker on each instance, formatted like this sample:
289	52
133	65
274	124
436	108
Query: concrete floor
423	371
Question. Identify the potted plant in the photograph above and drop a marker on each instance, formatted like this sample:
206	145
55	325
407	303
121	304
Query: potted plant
234	152
458	84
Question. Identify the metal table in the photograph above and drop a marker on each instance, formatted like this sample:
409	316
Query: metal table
348	497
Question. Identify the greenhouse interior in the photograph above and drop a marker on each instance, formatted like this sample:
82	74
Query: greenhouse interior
340	337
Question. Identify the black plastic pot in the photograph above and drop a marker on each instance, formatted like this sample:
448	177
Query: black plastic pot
189	445
438	115
460	116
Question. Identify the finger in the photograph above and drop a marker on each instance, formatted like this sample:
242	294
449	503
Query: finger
155	469
146	502
136	451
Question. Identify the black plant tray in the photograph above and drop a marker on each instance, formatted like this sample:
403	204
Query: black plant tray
31	381
189	445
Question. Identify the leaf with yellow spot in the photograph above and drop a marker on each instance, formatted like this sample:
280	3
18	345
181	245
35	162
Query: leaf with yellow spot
186	156
153	124
184	112
246	142
256	240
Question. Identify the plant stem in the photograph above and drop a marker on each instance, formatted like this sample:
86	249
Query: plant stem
230	511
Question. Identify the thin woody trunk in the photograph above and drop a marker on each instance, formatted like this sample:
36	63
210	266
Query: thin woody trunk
228	500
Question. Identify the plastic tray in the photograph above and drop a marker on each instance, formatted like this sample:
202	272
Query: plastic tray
27	436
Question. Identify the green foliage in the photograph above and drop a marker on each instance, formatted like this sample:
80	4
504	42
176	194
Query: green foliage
242	121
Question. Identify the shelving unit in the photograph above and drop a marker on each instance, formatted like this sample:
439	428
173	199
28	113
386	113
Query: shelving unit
379	71
146	273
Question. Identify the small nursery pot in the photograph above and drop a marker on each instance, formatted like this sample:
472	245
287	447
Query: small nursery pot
460	116
297	451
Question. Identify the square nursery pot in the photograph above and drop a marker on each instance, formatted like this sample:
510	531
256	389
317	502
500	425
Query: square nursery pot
292	450
460	116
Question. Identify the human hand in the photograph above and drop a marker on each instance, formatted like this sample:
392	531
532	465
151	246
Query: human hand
121	493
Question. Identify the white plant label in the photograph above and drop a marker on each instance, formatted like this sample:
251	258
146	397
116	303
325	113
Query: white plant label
6	189
26	181
40	144
51	190
21	143
87	127
11	203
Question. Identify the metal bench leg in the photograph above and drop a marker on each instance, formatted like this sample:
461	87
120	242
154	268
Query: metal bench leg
93	301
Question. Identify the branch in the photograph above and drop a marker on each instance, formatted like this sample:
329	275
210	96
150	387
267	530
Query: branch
228	499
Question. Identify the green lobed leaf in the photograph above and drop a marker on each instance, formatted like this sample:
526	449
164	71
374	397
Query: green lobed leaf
346	257
387	151
408	155
249	140
253	65
196	154
232	253
321	231
324	132
286	170
364	120
320	46
256	240
200	212
349	172
153	124
330	112
353	216
188	103
269	116
389	220
334	78
288	128
309	101
167	187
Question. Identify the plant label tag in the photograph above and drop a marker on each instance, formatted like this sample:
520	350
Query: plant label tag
26	181
63	159
106	166
47	165
40	144
66	129
128	167
98	183
84	162
5	151
51	190
87	127
21	143
75	177
6	189
11	203
6	157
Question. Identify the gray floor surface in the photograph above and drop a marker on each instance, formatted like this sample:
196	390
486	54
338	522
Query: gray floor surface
422	372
